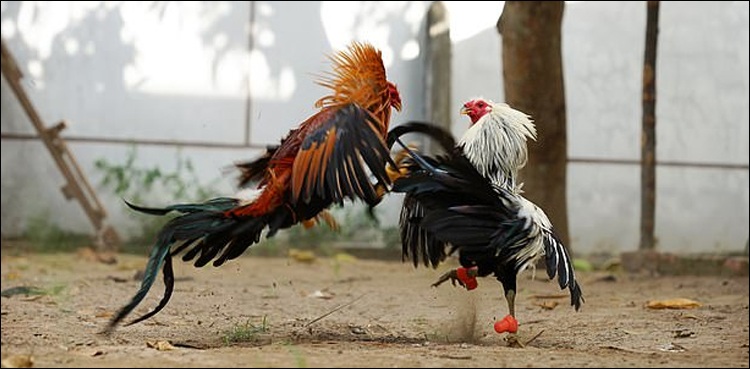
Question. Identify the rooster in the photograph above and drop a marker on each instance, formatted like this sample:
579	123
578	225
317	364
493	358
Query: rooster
336	154
470	201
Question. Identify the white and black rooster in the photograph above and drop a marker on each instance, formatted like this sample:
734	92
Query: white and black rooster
470	201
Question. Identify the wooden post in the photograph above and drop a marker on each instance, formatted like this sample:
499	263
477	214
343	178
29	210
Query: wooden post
648	135
77	187
438	70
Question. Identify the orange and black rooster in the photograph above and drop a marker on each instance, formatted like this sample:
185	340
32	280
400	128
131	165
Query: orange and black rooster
469	201
338	153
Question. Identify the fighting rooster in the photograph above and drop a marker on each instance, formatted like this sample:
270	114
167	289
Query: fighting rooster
338	153
469	200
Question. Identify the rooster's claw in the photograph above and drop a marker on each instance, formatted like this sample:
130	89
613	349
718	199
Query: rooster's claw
466	277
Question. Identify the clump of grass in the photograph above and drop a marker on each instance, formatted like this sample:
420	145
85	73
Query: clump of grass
45	236
246	332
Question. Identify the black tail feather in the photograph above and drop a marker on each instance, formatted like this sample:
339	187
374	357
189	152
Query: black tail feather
168	289
204	230
253	171
159	254
558	263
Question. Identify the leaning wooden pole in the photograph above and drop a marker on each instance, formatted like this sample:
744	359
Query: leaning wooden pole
77	186
648	135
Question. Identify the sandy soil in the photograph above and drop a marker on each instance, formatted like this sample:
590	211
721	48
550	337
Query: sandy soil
261	312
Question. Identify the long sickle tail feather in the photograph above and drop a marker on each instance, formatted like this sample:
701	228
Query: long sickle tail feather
208	231
159	255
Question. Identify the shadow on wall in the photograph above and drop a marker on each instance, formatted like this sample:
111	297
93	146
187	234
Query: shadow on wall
182	72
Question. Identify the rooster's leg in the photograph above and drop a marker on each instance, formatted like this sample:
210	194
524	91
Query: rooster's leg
509	323
510	297
466	277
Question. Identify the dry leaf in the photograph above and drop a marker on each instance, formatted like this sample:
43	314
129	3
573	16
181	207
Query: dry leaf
683	333
555	296
678	303
548	305
104	314
91	255
18	361
671	347
12	276
343	257
303	256
325	295
160	345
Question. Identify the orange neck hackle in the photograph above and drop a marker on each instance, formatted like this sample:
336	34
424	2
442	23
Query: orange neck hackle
359	77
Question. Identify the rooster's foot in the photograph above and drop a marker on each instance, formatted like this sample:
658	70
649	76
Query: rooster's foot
466	277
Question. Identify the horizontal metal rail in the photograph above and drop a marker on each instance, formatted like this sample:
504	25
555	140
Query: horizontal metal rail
224	145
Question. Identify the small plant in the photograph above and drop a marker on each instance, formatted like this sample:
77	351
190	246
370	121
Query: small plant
247	332
134	183
46	236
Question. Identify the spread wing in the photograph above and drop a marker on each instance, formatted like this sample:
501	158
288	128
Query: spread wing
341	156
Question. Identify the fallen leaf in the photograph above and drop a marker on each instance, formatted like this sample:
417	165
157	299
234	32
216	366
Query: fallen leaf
91	255
104	314
160	345
555	296
325	295
303	256
677	303
118	279
683	333
11	276
671	347
548	305
18	361
343	257
358	330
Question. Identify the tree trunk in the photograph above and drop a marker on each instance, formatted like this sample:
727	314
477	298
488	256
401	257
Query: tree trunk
648	140
533	82
438	81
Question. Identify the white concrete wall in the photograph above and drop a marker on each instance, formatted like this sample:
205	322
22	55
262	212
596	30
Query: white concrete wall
702	117
178	72
184	72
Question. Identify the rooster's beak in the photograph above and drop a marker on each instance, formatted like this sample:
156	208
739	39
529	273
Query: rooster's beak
465	110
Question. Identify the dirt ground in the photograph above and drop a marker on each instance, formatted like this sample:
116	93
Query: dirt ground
280	312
